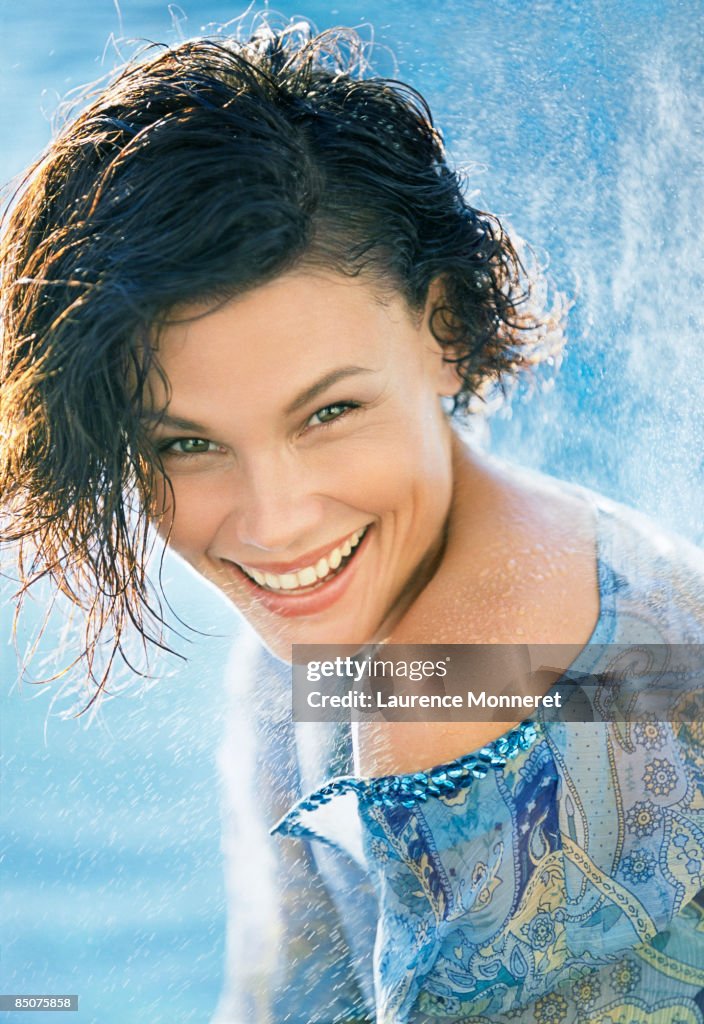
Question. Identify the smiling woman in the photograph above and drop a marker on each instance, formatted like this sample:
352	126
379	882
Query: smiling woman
244	294
318	494
98	257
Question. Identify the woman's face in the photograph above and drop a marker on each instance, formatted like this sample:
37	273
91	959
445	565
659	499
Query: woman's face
309	454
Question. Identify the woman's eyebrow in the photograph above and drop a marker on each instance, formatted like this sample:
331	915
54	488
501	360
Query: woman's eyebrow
158	419
323	384
179	423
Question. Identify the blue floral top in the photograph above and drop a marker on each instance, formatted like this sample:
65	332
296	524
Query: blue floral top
552	876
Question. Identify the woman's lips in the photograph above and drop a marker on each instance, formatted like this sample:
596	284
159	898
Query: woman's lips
311	600
305	572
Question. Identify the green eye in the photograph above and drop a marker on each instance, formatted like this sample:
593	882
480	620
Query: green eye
189	446
329	413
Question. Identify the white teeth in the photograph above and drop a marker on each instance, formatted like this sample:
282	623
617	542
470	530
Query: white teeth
311	573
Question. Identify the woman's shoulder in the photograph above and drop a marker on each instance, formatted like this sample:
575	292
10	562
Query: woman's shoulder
643	569
534	559
646	569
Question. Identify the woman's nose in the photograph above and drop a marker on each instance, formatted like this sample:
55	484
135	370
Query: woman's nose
276	507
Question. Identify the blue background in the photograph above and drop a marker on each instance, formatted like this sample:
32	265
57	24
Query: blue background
581	125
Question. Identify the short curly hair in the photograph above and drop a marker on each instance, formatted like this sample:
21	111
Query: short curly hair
200	172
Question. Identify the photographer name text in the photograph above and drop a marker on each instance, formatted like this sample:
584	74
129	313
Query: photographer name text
378	701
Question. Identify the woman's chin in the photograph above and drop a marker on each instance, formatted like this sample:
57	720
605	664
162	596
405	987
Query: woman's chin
281	641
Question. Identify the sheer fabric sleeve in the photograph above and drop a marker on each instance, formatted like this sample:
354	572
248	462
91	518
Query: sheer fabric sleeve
287	958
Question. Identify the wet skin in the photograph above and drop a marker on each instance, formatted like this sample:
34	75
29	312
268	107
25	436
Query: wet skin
305	428
314	414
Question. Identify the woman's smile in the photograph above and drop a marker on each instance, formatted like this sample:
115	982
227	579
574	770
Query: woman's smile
312	589
319	569
308	453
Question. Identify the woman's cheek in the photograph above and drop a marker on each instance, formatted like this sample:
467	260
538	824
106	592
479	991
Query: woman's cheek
192	522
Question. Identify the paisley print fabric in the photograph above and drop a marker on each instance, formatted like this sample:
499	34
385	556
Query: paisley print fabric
562	884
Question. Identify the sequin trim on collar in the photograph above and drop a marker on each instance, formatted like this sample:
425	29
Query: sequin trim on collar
414	787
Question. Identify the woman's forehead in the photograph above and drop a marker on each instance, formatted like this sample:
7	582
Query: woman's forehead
285	342
298	316
306	291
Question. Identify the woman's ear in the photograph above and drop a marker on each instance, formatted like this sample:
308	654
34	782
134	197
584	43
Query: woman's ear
438	323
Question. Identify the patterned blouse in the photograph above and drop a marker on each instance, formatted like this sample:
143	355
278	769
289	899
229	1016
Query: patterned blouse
553	876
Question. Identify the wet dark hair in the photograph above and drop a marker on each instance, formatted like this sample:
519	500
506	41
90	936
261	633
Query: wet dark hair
200	172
